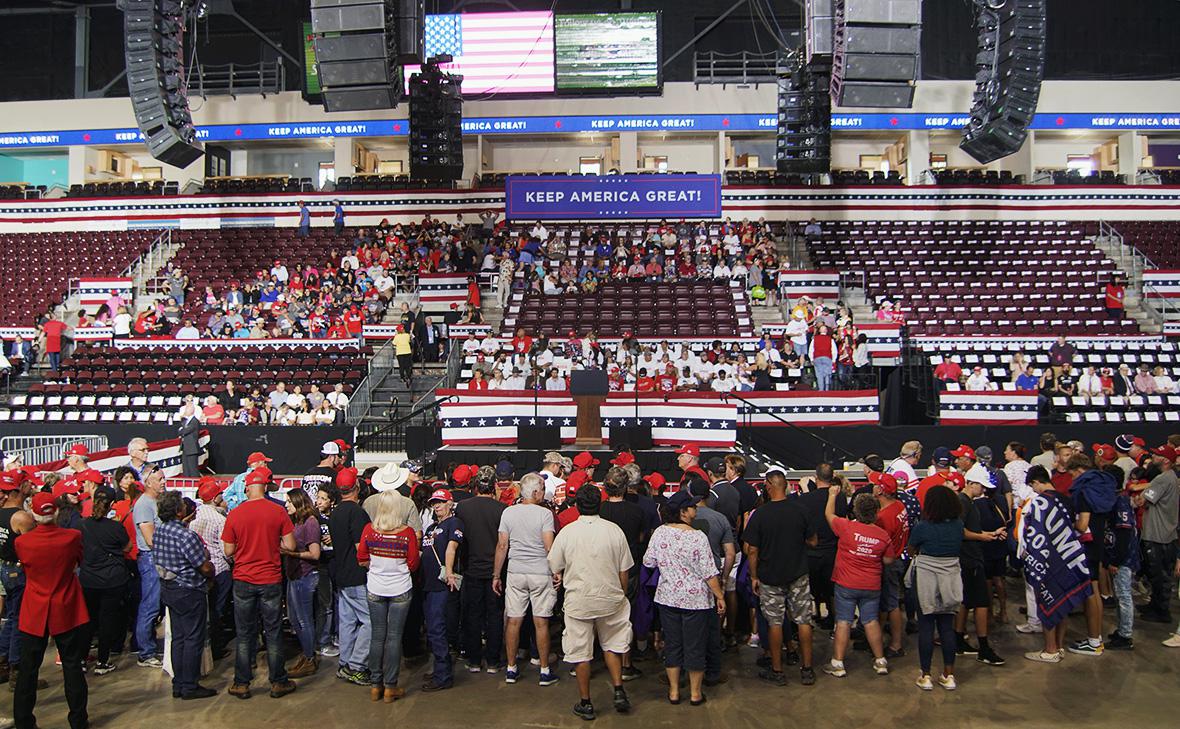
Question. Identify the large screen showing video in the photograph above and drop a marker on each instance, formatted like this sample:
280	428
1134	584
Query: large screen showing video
607	52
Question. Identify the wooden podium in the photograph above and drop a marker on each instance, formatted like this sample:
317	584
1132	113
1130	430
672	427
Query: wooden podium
589	420
589	389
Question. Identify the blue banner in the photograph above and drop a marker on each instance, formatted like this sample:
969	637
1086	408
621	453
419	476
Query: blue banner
558	197
563	124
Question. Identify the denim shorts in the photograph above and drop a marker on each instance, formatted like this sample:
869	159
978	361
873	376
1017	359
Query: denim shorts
848	602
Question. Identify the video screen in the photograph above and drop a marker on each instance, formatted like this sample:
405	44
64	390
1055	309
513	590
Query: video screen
607	51
496	53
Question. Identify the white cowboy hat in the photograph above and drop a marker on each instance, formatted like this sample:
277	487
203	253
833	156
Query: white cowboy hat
389	477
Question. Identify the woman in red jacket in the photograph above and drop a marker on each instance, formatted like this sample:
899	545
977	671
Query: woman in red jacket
53	606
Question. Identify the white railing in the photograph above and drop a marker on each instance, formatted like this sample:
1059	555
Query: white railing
1129	258
37	449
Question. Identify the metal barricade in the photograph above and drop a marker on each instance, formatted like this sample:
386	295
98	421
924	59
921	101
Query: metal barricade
38	449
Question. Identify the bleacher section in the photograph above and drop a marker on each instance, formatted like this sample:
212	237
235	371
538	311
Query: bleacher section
22	191
1073	177
148	384
39	266
1158	240
977	277
697	308
263	183
976	177
362	183
124	189
995	357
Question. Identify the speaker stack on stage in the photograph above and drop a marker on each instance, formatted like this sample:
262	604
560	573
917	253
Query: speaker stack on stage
1009	68
154	31
358	52
436	123
875	49
803	144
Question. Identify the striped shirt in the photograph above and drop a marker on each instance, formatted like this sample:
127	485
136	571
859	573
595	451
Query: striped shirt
391	557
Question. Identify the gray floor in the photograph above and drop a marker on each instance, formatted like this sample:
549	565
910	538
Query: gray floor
1116	689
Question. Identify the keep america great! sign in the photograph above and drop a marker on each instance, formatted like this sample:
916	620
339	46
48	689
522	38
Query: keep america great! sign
612	197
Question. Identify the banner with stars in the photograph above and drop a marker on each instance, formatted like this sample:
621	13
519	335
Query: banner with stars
1002	407
810	407
479	418
703	420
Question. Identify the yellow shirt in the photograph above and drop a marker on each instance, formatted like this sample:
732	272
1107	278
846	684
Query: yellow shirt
401	343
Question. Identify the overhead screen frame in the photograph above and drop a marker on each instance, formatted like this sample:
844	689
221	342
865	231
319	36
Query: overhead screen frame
558	90
654	90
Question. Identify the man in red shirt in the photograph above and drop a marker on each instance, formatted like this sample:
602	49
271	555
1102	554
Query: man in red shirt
688	459
943	475
1061	477
948	370
667	381
570	514
1116	292
521	343
252	535
354	322
892	517
53	330
645	383
52	606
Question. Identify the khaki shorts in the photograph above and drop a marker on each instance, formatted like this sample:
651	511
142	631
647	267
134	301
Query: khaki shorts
613	631
523	590
794	600
730	583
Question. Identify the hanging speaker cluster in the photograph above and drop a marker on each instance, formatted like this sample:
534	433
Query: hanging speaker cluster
803	143
1010	66
875	49
360	46
436	123
154	53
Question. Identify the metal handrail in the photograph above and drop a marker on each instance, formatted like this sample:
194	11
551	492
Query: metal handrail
743	67
363	440
231	79
1160	308
824	442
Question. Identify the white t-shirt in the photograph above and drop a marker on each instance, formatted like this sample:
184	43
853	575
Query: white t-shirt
338	399
122	323
901	470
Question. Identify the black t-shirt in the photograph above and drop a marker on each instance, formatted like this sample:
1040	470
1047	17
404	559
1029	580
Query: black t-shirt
814	502
747	494
103	564
726	501
1097	519
779	530
971	554
326	548
460	495
345	524
481	525
630	518
991	517
316	479
228	401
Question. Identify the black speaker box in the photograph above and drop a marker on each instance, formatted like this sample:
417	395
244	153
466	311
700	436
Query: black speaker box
538	437
636	437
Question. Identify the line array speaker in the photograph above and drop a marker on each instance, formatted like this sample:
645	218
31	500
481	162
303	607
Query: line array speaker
803	144
436	124
1010	66
875	50
356	52
154	53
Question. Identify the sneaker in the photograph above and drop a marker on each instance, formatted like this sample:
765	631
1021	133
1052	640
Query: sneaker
1083	648
473	668
1117	642
494	668
881	666
622	703
1172	641
548	678
948	683
754	641
343	672
1029	628
359	678
150	662
103	668
778	678
1043	657
584	711
989	656
833	670
511	674
279	690
791	658
630	673
965	648
330	651
807	676
925	683
894	653
431	685
240	690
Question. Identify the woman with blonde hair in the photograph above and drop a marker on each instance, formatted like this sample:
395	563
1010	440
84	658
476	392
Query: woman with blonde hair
389	548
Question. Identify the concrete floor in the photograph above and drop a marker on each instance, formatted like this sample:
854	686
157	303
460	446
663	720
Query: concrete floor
1117	689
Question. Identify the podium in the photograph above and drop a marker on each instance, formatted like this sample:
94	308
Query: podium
589	389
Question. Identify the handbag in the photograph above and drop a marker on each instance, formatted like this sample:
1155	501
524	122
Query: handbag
442	570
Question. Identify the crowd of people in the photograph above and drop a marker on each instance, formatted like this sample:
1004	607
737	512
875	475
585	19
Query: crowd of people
232	405
482	567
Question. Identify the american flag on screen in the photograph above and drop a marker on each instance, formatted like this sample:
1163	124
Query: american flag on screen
495	52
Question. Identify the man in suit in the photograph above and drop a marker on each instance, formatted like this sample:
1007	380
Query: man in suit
20	354
190	445
1124	382
429	338
53	606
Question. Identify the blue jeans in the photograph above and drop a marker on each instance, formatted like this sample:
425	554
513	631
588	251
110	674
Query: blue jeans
149	606
252	602
300	612
823	372
1122	590
355	628
325	608
848	601
12	576
434	608
388	617
54	360
189	615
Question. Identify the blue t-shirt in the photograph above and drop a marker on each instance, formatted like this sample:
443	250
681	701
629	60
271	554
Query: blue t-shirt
435	540
1027	382
937	539
1121	519
304	216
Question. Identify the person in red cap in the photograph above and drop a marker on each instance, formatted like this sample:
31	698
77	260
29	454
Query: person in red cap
53	605
89	481
622	459
893	518
253	535
688	459
77	456
568	513
236	493
14	521
1104	455
440	585
584	461
208	524
66	495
